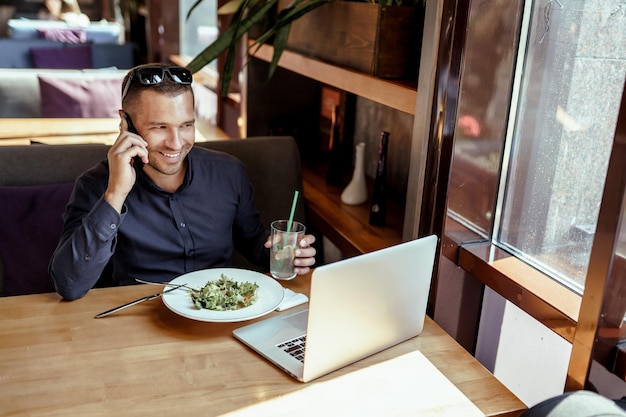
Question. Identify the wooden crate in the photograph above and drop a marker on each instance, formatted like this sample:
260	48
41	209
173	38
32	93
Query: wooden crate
378	40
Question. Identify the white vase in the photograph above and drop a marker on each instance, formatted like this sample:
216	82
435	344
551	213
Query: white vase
356	192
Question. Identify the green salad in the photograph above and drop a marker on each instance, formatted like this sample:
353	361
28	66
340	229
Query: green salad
225	294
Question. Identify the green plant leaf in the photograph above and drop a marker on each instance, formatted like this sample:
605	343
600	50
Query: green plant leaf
280	43
227	73
229	61
230	37
196	3
281	28
245	14
285	18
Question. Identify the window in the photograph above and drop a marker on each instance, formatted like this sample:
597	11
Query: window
196	33
568	104
535	127
200	30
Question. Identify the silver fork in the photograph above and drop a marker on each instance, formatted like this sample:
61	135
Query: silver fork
164	283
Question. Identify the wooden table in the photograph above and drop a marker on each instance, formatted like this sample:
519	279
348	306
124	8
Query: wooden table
57	360
53	131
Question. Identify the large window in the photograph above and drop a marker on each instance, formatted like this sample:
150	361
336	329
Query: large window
200	30
538	106
196	33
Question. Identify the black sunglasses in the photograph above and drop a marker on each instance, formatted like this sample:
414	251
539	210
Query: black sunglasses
155	75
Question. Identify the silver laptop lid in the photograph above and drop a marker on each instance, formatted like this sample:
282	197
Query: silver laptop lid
362	305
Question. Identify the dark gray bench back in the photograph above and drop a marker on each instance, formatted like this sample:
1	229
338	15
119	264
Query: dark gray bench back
273	165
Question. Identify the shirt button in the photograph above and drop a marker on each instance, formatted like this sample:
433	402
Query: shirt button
112	225
182	224
88	257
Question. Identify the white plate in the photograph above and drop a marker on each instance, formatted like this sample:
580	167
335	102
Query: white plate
269	295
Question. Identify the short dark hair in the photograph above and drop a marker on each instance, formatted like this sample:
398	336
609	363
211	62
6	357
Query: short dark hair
167	87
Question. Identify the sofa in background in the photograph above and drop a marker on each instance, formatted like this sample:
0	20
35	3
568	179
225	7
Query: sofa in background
18	53
33	93
96	32
36	181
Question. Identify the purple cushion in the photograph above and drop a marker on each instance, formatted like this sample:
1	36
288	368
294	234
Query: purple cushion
30	228
66	35
77	98
70	57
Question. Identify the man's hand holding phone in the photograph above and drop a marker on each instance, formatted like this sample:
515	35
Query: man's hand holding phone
132	129
128	148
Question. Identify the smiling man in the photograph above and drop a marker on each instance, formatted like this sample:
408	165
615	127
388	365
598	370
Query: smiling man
158	207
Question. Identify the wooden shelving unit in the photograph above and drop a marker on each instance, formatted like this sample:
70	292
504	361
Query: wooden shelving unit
399	95
348	226
345	225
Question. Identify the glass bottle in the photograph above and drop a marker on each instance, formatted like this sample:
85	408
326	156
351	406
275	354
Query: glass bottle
378	209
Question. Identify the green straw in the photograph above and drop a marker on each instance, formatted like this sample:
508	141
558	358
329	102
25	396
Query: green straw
293	210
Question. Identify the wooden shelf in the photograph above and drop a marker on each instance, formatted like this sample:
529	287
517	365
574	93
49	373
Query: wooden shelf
399	95
345	225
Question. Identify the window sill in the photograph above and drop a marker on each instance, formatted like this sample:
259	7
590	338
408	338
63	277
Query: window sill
549	302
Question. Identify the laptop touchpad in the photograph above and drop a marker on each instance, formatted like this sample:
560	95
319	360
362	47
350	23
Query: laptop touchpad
298	320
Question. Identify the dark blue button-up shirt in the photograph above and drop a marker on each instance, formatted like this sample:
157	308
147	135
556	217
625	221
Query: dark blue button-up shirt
159	235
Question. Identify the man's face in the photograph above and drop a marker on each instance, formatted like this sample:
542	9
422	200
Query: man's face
167	124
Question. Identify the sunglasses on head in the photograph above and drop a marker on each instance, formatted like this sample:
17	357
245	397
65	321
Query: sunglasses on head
154	75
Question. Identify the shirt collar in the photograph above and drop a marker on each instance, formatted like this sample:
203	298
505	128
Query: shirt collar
148	183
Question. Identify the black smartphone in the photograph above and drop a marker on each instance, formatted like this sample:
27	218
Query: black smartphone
131	128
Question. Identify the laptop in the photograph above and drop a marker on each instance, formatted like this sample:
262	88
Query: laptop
358	306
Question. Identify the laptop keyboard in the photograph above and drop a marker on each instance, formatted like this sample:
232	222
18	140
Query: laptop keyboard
294	347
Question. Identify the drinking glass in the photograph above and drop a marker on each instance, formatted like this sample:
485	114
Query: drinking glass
284	245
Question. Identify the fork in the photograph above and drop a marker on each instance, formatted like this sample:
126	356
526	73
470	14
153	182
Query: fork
164	283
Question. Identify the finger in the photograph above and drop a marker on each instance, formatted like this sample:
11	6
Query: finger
142	153
304	261
307	240
127	150
308	252
130	146
126	140
302	271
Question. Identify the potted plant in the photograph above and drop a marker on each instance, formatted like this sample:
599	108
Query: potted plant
375	38
248	13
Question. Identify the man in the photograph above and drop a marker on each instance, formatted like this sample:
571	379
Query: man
65	10
158	207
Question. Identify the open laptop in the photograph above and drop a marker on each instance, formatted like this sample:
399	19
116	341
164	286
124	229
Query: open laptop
358	307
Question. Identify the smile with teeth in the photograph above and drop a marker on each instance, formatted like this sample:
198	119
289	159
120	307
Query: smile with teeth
171	155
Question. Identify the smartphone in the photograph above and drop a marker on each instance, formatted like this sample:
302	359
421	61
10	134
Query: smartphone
131	128
129	122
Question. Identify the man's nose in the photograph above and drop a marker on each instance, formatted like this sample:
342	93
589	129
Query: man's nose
174	139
